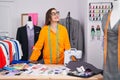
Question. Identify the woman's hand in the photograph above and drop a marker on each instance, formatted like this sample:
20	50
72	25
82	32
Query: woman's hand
34	62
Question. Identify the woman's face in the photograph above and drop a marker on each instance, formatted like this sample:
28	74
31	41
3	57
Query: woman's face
54	16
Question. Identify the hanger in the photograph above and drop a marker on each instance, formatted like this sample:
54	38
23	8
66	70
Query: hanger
68	15
5	36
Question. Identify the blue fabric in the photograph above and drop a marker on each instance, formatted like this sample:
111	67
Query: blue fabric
19	61
17	55
8	68
14	56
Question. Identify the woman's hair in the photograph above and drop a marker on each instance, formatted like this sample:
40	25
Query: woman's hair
48	16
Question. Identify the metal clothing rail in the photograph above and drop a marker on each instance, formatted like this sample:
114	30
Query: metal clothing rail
4	33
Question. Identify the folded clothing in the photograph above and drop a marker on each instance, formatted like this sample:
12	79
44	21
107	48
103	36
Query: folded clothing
90	70
19	61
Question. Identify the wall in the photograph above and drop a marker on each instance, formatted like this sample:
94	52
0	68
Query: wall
77	8
41	6
94	48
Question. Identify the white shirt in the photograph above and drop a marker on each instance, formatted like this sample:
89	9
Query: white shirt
30	24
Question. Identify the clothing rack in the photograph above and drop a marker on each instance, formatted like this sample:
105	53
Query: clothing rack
9	50
4	33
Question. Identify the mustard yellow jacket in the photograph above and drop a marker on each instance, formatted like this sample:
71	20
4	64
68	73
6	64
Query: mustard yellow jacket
46	37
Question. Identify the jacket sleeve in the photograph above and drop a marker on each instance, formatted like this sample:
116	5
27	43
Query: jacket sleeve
18	36
38	47
80	38
67	42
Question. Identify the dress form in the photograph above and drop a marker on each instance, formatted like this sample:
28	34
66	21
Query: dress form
115	14
29	22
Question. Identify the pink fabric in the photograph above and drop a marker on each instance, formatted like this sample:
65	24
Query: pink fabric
34	17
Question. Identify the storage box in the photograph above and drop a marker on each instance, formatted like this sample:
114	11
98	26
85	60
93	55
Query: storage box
68	54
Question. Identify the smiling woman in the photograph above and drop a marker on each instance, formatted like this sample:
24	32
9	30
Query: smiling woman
54	38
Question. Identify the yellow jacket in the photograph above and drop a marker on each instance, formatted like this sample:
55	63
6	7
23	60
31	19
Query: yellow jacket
46	37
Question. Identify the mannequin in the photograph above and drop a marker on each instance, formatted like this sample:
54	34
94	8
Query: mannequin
115	14
27	36
112	43
29	22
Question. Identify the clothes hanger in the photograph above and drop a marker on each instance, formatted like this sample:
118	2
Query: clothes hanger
68	15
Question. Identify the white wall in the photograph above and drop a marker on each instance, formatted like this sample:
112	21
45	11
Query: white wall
41	6
94	48
78	9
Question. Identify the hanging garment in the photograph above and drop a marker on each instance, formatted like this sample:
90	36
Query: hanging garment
3	56
22	37
18	51
111	69
5	48
75	32
10	50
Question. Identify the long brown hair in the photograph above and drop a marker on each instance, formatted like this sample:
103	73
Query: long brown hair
48	16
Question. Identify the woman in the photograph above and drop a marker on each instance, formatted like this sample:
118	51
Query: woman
54	38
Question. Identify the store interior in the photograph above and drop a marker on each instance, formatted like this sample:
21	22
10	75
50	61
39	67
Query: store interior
14	14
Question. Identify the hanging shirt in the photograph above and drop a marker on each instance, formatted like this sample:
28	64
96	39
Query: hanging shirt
10	50
30	34
3	60
45	39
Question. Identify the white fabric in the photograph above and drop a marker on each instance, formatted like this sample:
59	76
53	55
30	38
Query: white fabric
72	52
30	24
